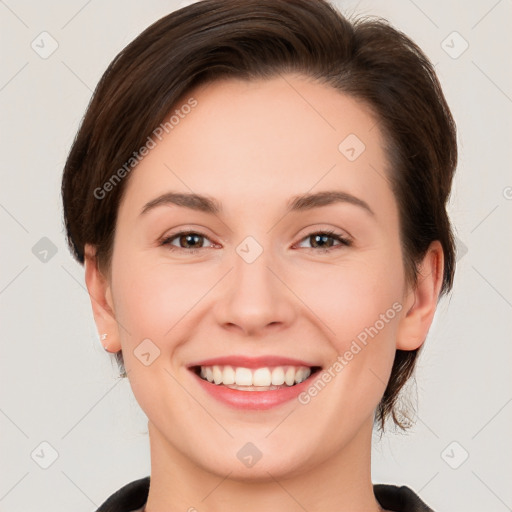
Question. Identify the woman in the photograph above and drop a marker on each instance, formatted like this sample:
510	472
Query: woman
258	193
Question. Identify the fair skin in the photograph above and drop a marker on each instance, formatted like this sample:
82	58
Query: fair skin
252	146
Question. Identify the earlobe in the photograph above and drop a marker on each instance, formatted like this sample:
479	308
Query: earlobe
421	302
100	294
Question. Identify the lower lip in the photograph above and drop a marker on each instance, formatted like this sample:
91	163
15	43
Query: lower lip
254	400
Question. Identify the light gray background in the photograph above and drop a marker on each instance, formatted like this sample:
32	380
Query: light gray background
59	387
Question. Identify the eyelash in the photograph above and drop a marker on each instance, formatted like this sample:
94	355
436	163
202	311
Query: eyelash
344	242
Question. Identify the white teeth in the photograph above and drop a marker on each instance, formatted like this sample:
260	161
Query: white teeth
262	377
258	377
278	376
228	375
243	377
217	375
289	376
300	375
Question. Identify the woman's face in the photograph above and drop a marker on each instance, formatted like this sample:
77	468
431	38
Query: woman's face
257	279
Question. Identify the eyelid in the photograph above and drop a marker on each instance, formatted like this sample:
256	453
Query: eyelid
168	237
199	230
344	240
316	228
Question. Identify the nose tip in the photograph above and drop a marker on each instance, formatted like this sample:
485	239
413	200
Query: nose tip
255	299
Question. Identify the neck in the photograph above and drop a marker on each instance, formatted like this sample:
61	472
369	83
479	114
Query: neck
342	483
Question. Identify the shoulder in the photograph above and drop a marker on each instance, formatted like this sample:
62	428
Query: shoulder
399	498
128	498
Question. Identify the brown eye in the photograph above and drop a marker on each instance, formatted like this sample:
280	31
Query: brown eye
189	241
324	240
191	238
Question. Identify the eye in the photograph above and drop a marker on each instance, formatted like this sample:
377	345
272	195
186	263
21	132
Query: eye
187	238
320	240
191	241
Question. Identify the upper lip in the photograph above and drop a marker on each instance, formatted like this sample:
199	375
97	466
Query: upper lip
253	362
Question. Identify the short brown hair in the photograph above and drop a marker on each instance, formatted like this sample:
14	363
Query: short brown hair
366	59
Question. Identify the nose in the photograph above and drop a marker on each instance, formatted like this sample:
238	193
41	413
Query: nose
255	298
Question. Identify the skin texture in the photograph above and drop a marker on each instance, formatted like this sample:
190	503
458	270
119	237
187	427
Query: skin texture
252	146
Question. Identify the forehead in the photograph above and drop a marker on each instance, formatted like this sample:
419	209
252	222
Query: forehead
261	141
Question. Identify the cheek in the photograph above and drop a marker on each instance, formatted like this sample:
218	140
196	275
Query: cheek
157	303
359	304
152	299
353	294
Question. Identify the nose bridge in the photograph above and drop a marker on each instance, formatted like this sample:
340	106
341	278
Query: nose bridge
255	297
251	272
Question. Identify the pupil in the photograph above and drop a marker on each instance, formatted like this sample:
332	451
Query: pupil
189	238
322	237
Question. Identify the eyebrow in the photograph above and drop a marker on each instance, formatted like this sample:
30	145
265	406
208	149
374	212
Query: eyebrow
328	197
298	203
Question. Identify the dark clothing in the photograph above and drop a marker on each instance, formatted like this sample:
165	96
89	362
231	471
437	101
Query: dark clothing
134	495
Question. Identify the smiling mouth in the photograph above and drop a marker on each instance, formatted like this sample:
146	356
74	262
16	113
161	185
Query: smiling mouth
255	379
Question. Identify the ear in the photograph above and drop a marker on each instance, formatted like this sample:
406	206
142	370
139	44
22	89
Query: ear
101	300
420	302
